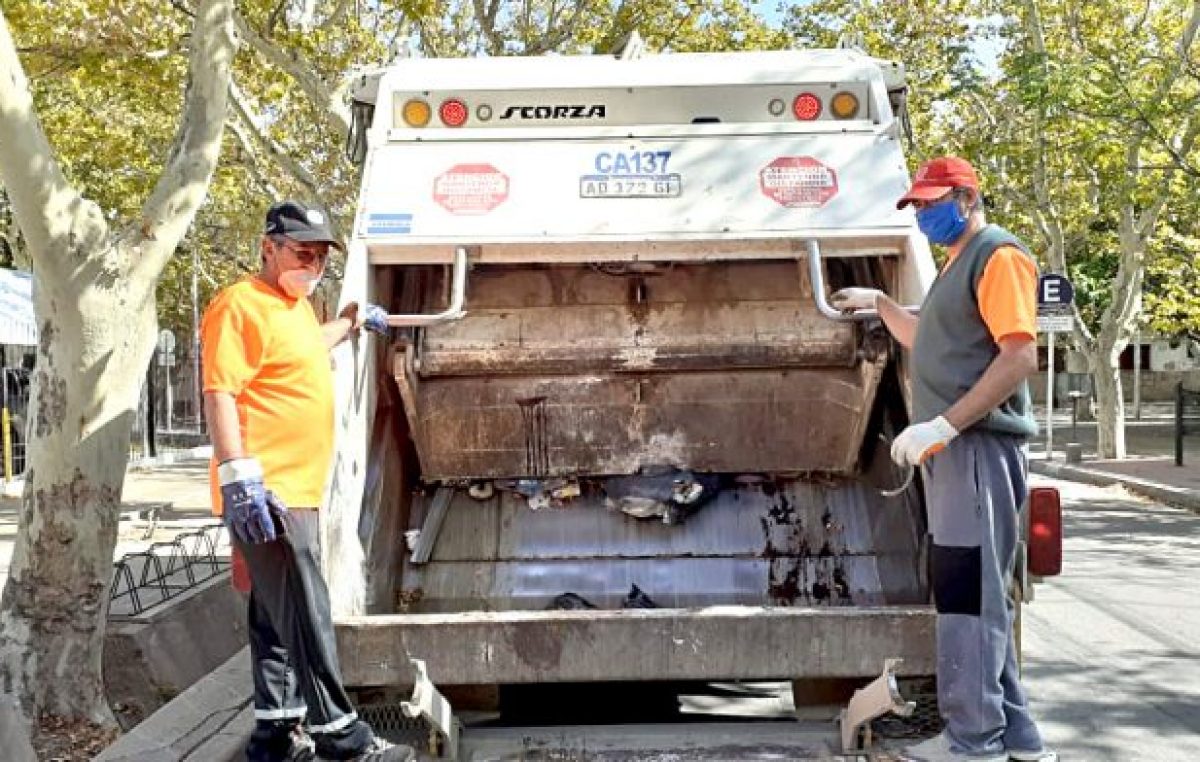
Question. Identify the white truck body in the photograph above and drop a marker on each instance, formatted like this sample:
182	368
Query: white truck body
643	240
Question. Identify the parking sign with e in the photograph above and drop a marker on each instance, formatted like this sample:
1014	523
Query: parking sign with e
1055	290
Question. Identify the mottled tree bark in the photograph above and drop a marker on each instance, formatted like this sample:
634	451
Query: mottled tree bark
94	302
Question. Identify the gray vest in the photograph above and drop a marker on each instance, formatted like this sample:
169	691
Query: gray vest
954	346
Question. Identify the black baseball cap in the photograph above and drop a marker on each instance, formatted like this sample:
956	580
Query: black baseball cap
300	222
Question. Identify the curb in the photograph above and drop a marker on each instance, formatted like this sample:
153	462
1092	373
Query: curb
209	722
1177	496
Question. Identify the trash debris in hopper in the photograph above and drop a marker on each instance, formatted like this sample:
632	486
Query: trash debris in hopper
411	538
668	493
638	600
481	490
570	602
539	494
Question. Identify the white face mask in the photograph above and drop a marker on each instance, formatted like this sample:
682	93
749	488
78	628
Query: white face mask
298	283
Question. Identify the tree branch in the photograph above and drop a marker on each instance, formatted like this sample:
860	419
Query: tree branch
241	108
302	71
183	184
248	145
338	13
485	15
1134	147
1041	190
556	34
44	203
1144	225
275	17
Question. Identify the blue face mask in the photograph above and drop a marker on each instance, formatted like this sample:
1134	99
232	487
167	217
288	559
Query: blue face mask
942	223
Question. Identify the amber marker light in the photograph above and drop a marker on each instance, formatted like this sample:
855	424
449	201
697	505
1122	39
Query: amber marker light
416	112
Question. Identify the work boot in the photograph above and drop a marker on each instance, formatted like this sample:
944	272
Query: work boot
301	747
938	749
280	741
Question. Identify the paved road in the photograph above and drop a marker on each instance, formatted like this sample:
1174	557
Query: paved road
1113	646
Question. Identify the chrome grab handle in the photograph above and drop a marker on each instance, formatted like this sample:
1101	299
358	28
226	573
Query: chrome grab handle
458	295
817	279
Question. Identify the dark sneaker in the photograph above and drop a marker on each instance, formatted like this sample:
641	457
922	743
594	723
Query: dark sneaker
280	742
301	748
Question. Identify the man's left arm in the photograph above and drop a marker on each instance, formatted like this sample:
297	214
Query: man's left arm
349	323
344	326
1007	297
1016	362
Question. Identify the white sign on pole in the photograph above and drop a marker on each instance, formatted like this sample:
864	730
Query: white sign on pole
1058	322
166	341
1055	295
166	348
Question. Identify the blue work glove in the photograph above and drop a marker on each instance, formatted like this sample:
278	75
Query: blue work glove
375	319
247	506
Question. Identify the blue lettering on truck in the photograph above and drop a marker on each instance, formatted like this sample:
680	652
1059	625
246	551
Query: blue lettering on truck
632	162
631	174
389	223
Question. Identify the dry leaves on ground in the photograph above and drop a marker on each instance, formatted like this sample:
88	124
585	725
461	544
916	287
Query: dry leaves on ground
70	740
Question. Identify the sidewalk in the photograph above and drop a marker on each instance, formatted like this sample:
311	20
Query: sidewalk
158	503
1149	468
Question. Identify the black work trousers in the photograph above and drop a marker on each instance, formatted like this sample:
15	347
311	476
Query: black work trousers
292	646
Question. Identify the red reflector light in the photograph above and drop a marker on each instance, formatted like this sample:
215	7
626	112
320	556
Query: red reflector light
453	112
806	107
241	572
1045	532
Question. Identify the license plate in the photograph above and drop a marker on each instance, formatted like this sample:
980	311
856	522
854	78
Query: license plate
630	186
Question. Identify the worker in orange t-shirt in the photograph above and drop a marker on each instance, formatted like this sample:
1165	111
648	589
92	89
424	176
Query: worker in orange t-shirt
972	350
268	400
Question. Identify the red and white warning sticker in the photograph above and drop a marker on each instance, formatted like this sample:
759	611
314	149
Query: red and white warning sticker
470	188
798	181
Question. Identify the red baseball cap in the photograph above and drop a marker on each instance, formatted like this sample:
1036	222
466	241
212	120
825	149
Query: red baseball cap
939	176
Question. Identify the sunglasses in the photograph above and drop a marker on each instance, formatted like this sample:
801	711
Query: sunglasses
306	254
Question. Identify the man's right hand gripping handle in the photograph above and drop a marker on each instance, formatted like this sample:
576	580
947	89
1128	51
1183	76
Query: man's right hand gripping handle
244	499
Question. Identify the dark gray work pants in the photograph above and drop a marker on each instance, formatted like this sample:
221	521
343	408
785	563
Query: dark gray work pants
292	646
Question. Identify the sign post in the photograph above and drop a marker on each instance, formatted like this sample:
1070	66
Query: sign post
166	358
1055	295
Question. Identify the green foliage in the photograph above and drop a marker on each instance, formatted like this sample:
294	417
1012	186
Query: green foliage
1173	285
932	38
108	76
107	80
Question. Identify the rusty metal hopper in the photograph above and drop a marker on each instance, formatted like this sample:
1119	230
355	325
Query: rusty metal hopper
593	370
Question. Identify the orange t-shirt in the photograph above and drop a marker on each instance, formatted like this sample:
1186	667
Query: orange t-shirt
267	350
1007	293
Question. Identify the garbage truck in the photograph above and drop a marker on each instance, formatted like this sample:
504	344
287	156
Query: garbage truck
617	433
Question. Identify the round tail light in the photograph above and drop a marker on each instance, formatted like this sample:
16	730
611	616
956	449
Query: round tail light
453	112
806	107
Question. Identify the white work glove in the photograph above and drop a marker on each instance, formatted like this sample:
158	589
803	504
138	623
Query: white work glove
855	298
921	440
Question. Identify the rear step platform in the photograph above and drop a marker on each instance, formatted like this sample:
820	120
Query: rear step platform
711	643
